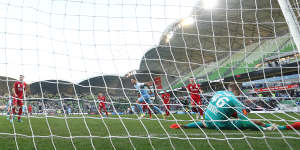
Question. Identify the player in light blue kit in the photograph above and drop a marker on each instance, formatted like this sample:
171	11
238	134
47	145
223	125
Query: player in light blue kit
145	97
9	107
69	110
24	109
224	105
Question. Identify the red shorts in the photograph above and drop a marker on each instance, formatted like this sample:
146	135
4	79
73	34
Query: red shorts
196	100
18	101
166	102
144	105
167	106
102	105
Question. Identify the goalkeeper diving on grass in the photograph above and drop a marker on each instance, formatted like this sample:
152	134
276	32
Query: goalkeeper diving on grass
223	105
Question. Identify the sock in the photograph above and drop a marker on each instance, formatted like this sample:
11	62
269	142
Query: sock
201	111
150	114
14	111
295	125
20	113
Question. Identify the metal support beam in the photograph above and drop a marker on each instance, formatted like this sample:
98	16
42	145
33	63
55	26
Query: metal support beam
291	21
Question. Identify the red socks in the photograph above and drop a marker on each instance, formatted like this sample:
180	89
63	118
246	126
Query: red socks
295	125
20	113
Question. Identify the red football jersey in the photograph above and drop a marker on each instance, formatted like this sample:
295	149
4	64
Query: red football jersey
29	108
193	88
102	99
20	88
166	98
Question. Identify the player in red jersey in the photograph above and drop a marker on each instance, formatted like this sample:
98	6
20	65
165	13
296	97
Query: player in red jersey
195	91
29	109
102	100
19	92
145	107
166	99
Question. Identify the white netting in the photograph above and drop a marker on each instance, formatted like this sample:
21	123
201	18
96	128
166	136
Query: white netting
70	51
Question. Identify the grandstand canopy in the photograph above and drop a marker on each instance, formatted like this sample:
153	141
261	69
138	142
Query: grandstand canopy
52	87
6	84
214	34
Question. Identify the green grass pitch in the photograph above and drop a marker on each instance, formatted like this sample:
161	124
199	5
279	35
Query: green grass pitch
128	132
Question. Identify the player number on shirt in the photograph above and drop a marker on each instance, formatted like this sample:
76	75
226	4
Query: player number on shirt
222	101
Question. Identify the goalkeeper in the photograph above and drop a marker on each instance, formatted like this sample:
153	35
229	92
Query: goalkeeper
222	106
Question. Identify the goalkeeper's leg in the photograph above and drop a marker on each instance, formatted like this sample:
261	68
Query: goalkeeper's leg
295	125
292	126
248	124
233	125
256	125
253	125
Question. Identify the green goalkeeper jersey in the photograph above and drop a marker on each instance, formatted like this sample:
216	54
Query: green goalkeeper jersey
222	105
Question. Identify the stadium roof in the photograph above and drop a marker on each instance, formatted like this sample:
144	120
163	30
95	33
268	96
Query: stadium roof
213	34
6	84
52	87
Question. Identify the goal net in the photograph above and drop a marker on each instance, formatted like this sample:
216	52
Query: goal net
123	74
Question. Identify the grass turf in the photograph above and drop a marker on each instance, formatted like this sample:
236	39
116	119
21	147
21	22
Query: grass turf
129	132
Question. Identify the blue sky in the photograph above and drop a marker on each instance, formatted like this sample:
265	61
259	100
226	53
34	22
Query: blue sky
74	40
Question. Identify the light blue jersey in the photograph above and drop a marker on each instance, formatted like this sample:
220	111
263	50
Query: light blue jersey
142	90
24	108
145	97
9	103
